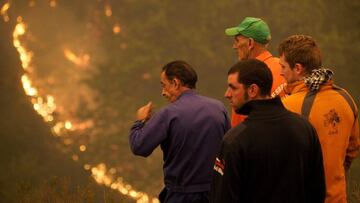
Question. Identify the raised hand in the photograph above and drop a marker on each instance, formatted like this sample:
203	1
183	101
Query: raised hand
144	112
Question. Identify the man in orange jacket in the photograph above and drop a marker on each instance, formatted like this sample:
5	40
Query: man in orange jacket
251	38
330	109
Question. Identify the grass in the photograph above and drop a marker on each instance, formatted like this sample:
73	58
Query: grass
61	190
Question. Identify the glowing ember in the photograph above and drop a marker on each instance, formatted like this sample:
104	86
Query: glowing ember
108	10
82	148
4	10
31	3
68	125
58	128
116	29
68	141
87	167
53	3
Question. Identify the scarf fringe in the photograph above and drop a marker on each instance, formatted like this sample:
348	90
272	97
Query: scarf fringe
318	77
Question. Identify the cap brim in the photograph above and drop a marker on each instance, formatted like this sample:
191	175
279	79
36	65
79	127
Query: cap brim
232	31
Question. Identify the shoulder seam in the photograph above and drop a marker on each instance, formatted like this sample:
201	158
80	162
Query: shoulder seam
348	98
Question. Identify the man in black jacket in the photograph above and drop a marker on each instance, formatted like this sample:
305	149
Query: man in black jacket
274	155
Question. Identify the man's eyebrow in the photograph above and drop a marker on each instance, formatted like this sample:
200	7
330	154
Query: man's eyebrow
231	86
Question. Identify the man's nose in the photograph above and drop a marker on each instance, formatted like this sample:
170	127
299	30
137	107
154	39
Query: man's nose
234	45
227	94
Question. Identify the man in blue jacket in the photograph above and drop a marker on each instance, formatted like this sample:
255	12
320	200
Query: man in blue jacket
189	131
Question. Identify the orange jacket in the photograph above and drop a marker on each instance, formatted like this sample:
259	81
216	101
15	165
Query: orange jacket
277	87
334	115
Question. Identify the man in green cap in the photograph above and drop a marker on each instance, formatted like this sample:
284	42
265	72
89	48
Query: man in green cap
251	38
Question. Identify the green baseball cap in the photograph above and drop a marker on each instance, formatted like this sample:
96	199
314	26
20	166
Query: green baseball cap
251	27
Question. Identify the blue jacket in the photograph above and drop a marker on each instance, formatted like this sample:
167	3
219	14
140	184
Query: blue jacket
189	131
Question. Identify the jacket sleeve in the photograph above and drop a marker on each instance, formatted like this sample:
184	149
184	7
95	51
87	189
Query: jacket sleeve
227	121
354	144
226	178
145	137
316	188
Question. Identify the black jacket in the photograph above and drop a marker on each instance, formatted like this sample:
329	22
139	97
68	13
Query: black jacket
273	156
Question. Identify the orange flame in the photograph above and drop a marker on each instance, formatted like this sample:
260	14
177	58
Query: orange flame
4	10
82	60
46	108
105	177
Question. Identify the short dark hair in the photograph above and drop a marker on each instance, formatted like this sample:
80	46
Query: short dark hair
182	71
253	71
301	49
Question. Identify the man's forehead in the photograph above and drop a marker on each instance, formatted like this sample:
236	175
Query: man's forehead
163	75
232	77
239	36
163	78
234	74
282	59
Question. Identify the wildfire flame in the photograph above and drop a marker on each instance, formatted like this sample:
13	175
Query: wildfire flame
4	10
46	108
82	60
103	177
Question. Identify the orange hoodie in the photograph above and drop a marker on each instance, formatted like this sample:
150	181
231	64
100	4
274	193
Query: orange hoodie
334	115
277	87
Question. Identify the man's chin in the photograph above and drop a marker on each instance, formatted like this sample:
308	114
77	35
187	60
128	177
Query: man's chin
169	100
233	106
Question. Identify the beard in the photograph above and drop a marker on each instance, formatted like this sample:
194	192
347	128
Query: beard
246	99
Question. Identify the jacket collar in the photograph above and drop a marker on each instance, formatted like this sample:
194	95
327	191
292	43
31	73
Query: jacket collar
262	107
186	92
300	86
264	56
295	87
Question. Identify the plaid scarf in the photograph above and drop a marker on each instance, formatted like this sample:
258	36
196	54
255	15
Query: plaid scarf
318	77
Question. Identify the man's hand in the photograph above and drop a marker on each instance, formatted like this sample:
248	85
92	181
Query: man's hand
144	112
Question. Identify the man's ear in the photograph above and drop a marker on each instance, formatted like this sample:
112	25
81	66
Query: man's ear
253	91
299	70
251	43
177	83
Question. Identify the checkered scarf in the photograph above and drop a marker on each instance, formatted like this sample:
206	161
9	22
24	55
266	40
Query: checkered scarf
318	77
